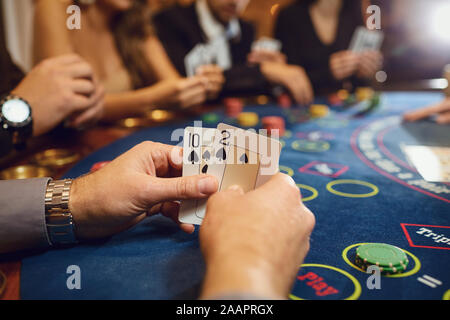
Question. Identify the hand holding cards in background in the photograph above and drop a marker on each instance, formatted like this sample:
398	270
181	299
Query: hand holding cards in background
254	242
184	92
369	63
293	78
266	49
343	64
215	77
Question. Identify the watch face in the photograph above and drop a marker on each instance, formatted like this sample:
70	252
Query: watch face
16	111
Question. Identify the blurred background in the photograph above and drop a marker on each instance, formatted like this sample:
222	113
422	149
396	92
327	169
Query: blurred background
416	47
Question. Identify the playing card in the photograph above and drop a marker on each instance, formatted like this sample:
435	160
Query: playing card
201	54
200	156
433	163
251	160
364	40
266	43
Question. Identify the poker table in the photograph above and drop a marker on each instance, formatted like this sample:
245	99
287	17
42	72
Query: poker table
352	174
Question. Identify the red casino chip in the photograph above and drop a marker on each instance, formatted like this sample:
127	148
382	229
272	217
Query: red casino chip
284	101
233	107
274	123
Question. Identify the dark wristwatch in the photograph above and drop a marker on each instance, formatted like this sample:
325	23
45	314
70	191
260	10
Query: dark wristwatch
16	119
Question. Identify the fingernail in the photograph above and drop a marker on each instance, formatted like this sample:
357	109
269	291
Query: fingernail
207	185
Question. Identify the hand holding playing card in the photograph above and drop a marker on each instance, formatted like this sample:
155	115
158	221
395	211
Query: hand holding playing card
184	92
292	77
215	77
263	55
344	64
255	242
369	63
143	181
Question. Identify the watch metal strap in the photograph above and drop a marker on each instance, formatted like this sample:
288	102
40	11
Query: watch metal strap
59	220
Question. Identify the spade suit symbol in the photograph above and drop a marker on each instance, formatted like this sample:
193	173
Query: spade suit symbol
205	169
193	157
244	158
221	154
206	155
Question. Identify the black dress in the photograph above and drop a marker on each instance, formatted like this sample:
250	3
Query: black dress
301	44
179	30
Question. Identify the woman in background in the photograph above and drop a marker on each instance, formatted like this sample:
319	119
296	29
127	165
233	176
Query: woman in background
117	40
316	35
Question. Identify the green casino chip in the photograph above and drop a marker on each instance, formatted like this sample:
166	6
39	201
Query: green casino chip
210	118
384	270
392	259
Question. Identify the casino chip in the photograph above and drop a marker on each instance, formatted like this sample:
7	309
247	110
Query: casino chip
343	94
319	110
274	123
210	118
233	107
388	258
335	100
364	93
284	101
248	119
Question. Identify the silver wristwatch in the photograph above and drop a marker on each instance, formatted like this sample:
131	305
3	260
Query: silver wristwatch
59	220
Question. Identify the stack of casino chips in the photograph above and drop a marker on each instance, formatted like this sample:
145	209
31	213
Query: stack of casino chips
274	123
390	259
233	107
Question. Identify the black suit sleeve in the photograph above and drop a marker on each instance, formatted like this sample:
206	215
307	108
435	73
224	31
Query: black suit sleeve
172	40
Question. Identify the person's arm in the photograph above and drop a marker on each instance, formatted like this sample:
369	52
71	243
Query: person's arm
50	30
440	110
22	215
159	61
142	182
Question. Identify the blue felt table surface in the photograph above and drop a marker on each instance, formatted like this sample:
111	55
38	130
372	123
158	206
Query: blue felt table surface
154	260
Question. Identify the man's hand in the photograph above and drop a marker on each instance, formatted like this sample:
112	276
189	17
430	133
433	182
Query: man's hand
143	181
369	63
215	77
62	88
254	243
441	110
344	64
262	55
294	78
